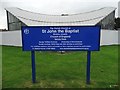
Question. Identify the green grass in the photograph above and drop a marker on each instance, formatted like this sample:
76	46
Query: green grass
55	70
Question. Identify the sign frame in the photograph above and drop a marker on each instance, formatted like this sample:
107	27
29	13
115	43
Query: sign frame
61	26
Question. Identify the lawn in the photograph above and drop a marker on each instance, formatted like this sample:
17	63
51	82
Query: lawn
55	70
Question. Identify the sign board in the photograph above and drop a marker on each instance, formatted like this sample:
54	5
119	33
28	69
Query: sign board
61	38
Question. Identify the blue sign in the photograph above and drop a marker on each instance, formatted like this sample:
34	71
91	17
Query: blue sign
61	38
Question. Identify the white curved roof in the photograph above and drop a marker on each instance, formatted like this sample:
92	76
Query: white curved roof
37	19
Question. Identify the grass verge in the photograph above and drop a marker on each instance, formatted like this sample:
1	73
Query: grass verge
55	70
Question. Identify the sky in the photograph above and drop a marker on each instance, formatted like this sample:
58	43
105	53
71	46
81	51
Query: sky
55	7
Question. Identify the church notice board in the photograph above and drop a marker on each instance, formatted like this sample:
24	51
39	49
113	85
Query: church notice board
61	38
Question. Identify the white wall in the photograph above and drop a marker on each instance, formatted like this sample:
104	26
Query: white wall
109	37
13	38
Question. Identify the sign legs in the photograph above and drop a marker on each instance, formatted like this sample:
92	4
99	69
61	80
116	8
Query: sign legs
33	66
88	67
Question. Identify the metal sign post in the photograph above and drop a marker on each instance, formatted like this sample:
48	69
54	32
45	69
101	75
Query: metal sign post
33	66
88	67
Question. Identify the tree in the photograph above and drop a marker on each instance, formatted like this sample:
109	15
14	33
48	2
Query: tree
117	23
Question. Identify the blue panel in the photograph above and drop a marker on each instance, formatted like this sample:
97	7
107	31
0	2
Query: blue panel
61	38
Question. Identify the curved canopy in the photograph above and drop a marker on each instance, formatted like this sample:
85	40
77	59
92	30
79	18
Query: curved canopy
37	19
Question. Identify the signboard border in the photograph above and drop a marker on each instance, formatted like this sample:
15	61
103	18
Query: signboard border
61	26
